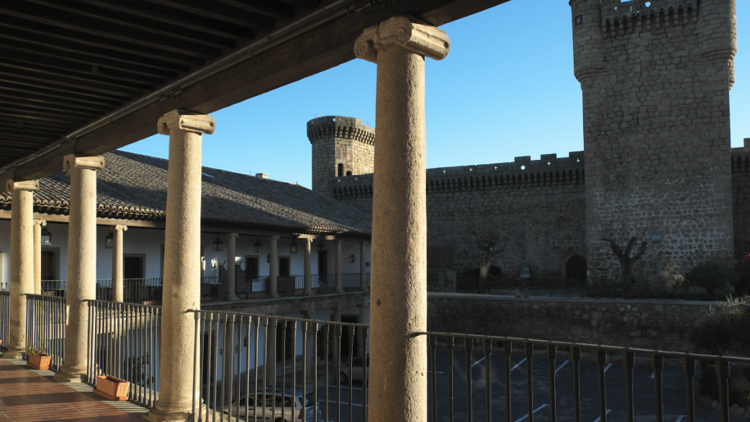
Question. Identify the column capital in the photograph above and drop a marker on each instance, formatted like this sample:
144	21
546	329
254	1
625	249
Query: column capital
235	235
425	40
274	237
118	228
339	241
363	305
72	161
184	120
307	239
364	242
40	223
24	185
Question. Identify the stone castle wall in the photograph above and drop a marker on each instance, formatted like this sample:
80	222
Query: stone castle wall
340	144
655	78
741	200
538	206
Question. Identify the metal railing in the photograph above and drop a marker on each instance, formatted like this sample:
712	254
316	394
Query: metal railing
135	290
443	399
4	319
307	359
123	342
4	287
46	317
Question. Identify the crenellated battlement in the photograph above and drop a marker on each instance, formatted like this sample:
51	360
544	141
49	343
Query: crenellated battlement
619	19
340	127
522	172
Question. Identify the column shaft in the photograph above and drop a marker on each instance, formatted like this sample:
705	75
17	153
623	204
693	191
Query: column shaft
269	360
273	273
360	335
308	273
21	264
335	333
81	264
339	285
118	281
231	268
181	264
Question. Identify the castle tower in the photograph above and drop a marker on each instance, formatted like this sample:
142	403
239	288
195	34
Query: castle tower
655	77
341	146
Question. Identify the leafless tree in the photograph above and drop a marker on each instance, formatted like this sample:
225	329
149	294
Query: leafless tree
489	244
624	255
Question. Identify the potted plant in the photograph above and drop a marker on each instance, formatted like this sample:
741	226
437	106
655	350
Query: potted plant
38	358
112	388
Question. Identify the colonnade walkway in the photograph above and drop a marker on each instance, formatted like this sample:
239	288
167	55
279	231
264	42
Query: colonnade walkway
28	395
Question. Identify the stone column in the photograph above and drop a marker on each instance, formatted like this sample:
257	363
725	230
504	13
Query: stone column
181	263
399	233
335	332
269	360
38	224
272	272
21	262
306	246
117	263
231	267
81	263
311	365
362	267
360	335
339	285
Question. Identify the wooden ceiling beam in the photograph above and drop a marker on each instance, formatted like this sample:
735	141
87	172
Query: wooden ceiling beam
117	32
25	138
49	33
218	11
39	79
276	10
304	4
87	76
178	17
21	105
40	99
47	92
139	23
39	126
21	113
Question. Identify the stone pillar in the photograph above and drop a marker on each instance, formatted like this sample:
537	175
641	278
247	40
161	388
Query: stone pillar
273	278
117	263
81	263
231	267
21	262
362	267
38	224
306	246
181	264
339	285
399	233
335	332
360	335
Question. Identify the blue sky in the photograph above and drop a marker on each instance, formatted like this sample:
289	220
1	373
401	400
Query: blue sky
505	90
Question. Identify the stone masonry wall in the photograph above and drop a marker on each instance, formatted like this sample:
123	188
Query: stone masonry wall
650	324
537	205
741	199
655	78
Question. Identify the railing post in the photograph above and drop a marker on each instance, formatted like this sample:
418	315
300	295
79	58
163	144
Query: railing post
688	367
722	373
601	360
116	288
551	356
628	361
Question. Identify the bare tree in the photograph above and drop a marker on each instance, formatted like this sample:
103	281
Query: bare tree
627	260
489	244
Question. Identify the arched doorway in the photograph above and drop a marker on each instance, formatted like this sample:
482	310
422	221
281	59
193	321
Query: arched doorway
575	269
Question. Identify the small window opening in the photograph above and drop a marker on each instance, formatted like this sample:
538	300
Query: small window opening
348	173
341	170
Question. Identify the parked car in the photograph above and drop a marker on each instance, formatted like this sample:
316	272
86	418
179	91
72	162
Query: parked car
356	372
288	406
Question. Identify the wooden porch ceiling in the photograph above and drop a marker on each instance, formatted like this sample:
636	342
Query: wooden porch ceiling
90	76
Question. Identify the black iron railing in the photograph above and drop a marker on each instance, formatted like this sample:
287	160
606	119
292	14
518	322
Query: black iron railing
4	319
231	383
45	327
444	399
123	342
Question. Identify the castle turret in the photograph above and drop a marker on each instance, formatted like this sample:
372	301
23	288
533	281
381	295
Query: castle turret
587	38
341	146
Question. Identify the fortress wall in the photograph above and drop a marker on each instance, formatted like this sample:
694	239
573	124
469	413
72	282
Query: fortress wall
538	205
655	77
741	200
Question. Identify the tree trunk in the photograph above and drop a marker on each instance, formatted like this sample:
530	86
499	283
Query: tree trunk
627	280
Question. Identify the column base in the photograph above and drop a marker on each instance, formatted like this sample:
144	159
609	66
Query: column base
167	415
275	296
310	293
13	353
233	298
75	378
340	290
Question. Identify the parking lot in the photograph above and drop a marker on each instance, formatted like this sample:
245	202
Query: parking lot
674	394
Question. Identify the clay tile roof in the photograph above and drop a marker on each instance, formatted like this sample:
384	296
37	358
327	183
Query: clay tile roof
134	186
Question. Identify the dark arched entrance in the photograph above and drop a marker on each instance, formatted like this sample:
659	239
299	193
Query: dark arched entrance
575	269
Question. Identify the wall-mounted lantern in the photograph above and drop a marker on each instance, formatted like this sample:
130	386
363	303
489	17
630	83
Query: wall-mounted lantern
46	238
218	245
108	240
351	259
293	248
257	247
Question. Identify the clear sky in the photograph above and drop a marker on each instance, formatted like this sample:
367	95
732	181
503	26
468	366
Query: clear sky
505	90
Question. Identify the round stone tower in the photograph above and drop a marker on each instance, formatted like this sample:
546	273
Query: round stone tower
341	146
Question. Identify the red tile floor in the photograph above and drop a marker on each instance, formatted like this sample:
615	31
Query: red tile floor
28	396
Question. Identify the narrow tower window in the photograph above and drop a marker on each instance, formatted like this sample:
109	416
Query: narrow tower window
341	170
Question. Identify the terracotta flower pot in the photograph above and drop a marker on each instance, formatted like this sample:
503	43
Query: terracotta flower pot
39	361
112	388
